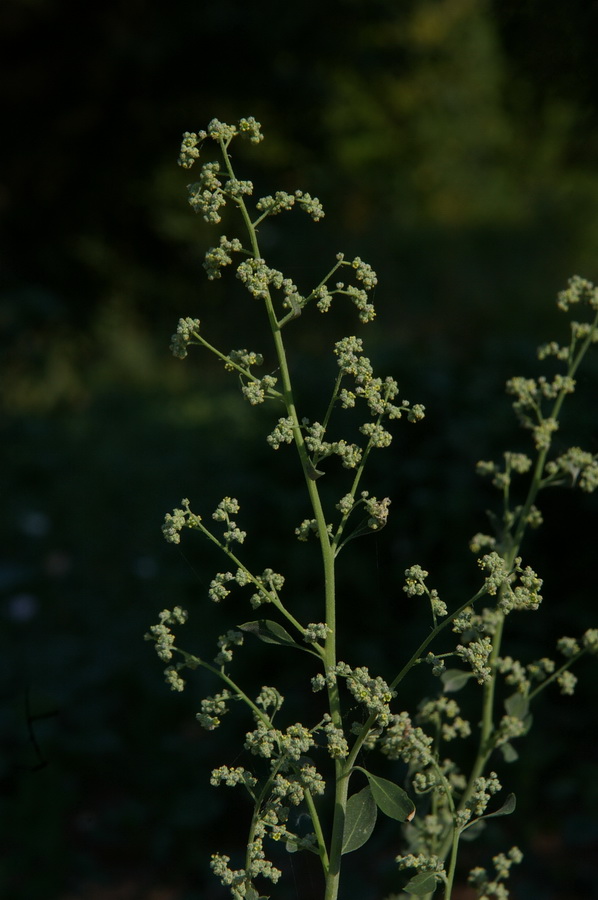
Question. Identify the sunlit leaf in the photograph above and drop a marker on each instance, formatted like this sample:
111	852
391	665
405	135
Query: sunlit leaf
391	799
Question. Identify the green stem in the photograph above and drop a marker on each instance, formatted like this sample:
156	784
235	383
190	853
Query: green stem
272	392
342	771
450	875
269	596
433	634
566	665
332	880
194	661
318	832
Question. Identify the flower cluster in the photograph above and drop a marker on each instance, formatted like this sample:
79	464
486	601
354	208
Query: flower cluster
239	881
521	677
293	743
218	257
212	710
514	462
421	862
477	653
268	698
206	196
161	633
186	330
577	467
373	692
226	508
257	390
283	433
232	638
338	748
271	206
232	776
177	520
350	454
445	715
316	631
494	889
378	393
267	585
406	741
377	511
578	290
218	131
502	580
415	586
483	790
258	278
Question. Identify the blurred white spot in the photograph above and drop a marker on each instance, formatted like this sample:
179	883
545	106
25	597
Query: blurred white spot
22	607
34	523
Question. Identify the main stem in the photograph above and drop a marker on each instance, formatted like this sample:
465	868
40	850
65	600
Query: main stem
332	872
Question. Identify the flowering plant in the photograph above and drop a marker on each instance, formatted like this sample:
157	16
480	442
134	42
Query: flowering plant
313	767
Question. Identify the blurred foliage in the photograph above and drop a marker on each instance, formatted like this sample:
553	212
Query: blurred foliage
453	143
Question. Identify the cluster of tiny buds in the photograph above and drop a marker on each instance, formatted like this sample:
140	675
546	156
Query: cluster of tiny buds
267	585
483	789
577	466
177	520
373	692
493	889
524	595
408	742
578	290
308	528
444	713
186	330
218	131
415	578
314	632
226	508
161	633
477	653
271	206
218	257
421	862
212	710
338	748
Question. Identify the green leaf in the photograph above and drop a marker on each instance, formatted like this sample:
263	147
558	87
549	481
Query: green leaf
270	632
360	819
517	705
505	810
391	799
473	831
455	679
291	845
508	752
421	884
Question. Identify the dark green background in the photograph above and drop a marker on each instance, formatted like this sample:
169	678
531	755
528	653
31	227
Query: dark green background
454	146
